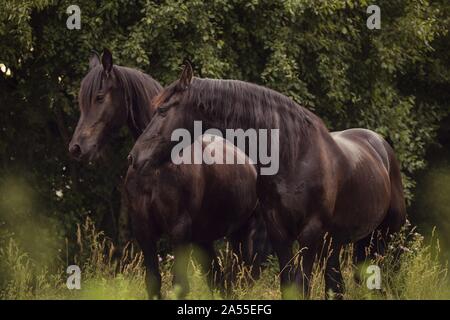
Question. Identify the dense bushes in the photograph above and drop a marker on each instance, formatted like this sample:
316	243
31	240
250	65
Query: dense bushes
394	80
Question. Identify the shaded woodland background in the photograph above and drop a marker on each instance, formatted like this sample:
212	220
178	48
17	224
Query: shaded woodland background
395	81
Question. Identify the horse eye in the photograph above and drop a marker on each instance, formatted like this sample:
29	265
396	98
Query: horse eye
162	110
100	98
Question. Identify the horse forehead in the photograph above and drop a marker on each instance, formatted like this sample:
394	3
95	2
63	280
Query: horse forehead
109	82
162	97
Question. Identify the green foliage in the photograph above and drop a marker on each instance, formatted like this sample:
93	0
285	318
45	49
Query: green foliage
394	80
432	205
419	274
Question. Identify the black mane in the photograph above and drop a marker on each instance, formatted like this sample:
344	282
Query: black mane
139	89
239	104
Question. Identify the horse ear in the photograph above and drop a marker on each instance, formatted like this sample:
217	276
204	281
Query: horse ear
94	60
107	60
186	75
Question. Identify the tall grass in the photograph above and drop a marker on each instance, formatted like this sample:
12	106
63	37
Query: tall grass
108	273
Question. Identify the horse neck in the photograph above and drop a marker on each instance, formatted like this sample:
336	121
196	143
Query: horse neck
141	114
135	132
296	135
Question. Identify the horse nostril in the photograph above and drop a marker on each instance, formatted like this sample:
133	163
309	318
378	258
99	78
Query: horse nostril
130	160
75	150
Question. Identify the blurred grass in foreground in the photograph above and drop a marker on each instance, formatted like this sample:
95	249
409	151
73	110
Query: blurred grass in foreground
432	204
420	275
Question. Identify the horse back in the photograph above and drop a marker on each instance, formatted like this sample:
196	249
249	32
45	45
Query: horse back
365	187
358	143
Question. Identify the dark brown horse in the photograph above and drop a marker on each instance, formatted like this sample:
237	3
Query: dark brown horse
346	185
112	96
191	204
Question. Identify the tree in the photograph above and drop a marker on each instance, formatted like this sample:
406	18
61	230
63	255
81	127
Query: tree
394	80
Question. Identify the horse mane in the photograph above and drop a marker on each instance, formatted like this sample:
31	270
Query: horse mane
239	104
139	90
